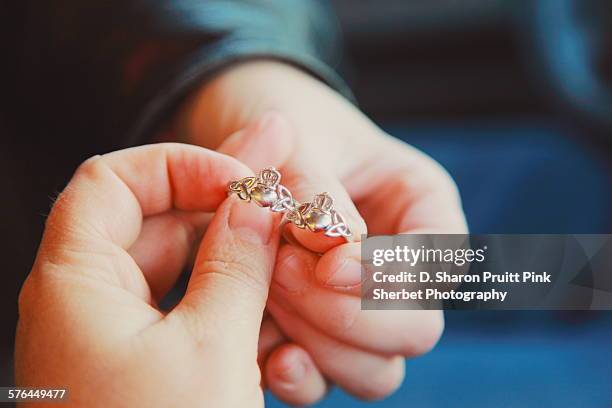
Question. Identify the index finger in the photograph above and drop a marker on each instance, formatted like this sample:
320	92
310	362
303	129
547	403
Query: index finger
412	194
109	195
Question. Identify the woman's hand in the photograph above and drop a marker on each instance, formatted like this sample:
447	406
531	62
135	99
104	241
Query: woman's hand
316	329
115	241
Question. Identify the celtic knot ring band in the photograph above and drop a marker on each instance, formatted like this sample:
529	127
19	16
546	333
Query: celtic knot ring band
316	216
320	216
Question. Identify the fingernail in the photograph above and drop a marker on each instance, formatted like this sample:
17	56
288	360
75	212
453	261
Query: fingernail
251	223
290	273
293	374
348	274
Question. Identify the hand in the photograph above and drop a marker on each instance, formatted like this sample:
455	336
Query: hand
114	243
316	329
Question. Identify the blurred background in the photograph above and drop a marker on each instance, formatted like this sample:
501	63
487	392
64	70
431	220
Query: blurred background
514	98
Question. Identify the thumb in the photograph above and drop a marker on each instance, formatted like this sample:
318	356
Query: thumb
229	285
267	141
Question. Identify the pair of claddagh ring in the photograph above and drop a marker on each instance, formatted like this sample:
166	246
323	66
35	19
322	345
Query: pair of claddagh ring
318	215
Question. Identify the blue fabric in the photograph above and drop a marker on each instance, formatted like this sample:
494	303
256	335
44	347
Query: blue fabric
528	178
134	62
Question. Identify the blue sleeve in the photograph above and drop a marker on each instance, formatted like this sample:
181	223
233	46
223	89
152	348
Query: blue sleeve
116	69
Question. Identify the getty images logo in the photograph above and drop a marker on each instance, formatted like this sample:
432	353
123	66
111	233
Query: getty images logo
423	255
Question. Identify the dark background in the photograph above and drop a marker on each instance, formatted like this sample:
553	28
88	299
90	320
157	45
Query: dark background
513	97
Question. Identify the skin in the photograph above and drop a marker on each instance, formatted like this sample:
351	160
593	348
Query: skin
88	316
257	312
315	332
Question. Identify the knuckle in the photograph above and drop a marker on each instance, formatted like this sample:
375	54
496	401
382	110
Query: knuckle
442	179
344	319
38	290
89	167
65	203
26	295
448	185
